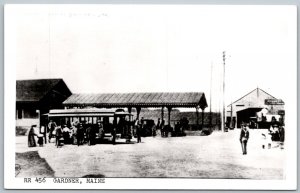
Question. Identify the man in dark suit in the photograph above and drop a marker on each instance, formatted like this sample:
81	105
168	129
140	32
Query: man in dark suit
80	134
244	136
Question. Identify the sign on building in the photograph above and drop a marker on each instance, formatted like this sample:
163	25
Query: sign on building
274	102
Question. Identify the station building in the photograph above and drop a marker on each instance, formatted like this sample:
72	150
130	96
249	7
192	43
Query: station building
36	97
257	106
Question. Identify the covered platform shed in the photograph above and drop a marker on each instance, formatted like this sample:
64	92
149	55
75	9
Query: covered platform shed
161	100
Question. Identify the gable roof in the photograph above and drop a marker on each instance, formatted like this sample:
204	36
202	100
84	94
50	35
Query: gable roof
34	90
184	99
257	90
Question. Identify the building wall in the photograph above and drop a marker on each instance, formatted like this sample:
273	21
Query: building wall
27	123
29	112
25	117
255	99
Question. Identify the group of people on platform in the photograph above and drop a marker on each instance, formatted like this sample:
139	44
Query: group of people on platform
159	129
77	134
276	133
139	129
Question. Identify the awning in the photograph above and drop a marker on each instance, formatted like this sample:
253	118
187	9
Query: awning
155	99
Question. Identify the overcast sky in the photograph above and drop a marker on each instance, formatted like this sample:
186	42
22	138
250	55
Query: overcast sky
130	48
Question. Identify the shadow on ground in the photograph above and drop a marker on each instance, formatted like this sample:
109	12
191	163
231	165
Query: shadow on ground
94	176
30	164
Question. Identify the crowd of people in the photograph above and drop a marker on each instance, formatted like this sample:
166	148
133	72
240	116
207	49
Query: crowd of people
276	133
85	133
79	133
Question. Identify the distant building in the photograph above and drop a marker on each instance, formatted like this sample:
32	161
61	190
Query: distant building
36	97
252	106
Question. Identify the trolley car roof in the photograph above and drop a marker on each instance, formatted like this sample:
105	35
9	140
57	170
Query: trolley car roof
92	112
184	99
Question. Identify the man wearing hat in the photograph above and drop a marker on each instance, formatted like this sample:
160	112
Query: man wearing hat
244	136
100	130
80	134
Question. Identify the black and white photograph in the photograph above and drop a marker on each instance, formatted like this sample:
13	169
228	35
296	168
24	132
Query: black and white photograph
150	97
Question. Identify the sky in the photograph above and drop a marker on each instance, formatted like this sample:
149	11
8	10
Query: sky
156	48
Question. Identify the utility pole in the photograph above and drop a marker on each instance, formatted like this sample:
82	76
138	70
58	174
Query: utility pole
231	121
223	110
210	113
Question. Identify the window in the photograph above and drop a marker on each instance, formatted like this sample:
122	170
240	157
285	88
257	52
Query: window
30	114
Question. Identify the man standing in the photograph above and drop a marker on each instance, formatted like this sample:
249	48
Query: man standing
138	131
158	126
244	136
74	134
100	130
80	134
281	133
89	135
59	136
162	128
114	134
51	127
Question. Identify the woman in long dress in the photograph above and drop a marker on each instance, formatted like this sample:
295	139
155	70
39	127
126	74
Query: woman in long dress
31	139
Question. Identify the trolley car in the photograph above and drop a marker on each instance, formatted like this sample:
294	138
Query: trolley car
113	120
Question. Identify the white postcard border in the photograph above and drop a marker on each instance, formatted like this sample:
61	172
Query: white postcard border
142	183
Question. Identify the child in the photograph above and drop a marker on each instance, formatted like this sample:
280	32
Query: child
40	140
264	138
269	139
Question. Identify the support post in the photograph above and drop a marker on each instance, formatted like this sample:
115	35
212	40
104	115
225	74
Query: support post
138	110
129	126
162	113
129	111
202	119
197	116
169	115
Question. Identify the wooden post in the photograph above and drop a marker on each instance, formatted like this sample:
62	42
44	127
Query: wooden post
197	116
202	119
138	110
129	124
169	115
162	113
129	111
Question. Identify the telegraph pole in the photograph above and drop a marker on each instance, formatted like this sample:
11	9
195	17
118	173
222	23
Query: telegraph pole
210	114
223	110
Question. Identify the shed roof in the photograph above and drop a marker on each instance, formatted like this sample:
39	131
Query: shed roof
34	90
156	99
258	90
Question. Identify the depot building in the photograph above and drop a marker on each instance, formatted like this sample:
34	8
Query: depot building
256	108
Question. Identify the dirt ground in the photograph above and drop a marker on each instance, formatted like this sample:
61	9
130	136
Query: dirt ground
209	157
